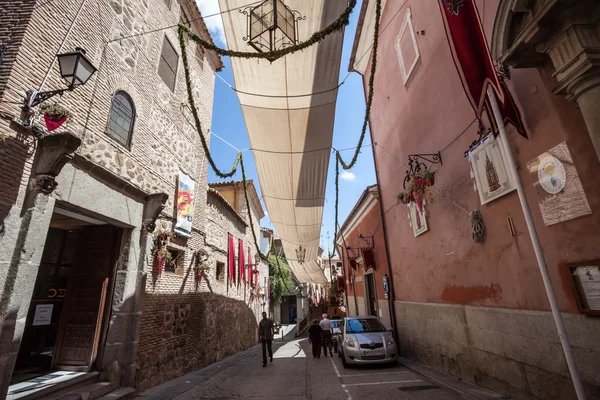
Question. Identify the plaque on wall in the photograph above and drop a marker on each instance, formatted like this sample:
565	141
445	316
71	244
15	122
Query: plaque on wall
417	219
586	284
488	168
557	185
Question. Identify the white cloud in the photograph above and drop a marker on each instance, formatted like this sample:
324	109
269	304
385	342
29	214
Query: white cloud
214	24
348	176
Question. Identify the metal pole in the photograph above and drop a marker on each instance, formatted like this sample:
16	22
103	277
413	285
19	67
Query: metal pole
560	325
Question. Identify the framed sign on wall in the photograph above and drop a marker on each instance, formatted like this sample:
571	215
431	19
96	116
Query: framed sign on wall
585	279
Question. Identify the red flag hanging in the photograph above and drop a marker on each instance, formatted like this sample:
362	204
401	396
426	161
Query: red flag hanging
368	258
249	277
473	61
341	283
241	263
231	260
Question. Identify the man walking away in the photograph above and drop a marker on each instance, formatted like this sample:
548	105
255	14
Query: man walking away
265	334
314	334
327	327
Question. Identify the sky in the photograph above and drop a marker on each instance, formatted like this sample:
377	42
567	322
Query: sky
228	124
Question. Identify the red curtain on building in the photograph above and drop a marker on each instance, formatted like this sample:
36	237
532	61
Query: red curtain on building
249	277
341	284
241	263
473	60
231	259
368	258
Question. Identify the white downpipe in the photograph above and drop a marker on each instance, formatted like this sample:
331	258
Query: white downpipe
558	320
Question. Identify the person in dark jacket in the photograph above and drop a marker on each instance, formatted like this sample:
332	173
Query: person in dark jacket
314	335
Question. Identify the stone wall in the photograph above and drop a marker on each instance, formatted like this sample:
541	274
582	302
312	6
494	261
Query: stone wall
191	331
516	353
187	323
105	179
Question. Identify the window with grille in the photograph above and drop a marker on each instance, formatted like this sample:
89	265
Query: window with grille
121	119
167	66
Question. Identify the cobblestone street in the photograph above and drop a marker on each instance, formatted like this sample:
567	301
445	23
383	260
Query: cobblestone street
294	376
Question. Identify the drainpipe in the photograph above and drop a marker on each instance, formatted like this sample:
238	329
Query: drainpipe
392	296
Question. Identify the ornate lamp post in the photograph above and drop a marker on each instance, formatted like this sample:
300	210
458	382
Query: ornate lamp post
75	68
271	26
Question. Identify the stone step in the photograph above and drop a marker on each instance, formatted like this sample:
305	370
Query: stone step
65	386
90	392
122	393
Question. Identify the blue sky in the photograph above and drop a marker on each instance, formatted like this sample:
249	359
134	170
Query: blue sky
228	123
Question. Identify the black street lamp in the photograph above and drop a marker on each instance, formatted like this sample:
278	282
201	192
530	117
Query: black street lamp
271	26
75	68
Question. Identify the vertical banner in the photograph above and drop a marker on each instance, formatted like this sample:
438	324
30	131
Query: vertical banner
474	63
185	204
231	259
249	277
241	263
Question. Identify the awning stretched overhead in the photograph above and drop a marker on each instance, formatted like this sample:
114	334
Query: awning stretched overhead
289	109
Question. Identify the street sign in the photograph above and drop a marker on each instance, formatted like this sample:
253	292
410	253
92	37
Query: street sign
386	288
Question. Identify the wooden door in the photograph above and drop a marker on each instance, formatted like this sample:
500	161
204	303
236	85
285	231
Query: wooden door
371	295
81	321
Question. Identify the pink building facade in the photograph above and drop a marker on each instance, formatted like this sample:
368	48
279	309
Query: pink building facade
479	311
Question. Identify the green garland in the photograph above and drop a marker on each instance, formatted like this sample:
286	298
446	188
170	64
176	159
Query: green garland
248	206
336	26
337	195
188	84
338	156
317	37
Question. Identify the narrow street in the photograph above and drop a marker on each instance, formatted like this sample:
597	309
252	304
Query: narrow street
294	376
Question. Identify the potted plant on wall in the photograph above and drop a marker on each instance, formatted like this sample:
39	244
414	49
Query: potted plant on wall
159	249
55	115
416	190
200	264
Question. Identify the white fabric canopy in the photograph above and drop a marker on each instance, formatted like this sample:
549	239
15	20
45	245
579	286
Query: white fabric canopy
289	109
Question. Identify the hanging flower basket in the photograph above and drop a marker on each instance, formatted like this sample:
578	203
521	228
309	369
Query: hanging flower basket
419	182
159	248
55	115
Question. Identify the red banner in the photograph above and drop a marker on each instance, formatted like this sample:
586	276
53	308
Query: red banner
368	258
231	260
241	264
473	60
249	277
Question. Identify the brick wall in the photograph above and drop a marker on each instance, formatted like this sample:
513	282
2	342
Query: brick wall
185	323
189	323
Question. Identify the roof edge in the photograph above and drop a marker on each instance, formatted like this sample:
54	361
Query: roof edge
358	35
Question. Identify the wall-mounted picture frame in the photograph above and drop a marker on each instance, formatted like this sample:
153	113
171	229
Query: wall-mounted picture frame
488	167
406	47
417	219
585	280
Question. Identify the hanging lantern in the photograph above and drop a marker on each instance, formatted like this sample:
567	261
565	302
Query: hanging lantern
271	26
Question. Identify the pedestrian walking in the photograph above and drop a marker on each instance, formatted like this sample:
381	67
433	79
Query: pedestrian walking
315	334
327	328
265	334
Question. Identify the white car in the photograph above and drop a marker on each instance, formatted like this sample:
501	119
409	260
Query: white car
365	340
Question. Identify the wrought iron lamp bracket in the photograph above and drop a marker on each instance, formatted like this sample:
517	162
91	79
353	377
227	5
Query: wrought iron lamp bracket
369	240
415	164
482	134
